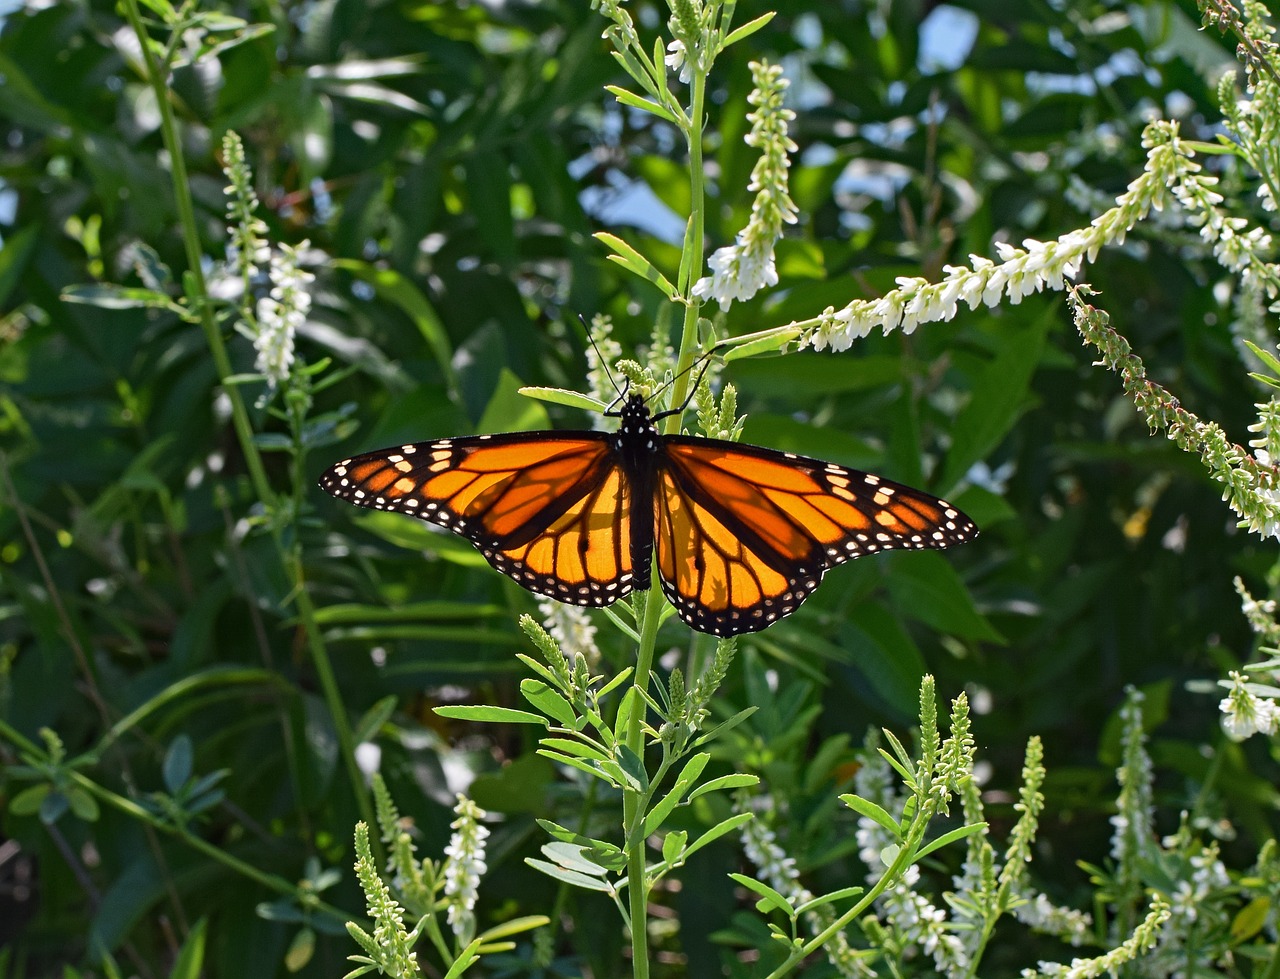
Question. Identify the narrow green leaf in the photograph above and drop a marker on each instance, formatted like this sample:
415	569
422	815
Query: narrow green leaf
571	877
633	765
605	771
865	807
620	678
576	748
513	927
562	396
548	701
119	297
688	775
839	895
747	29
727	726
630	259
736	781
945	838
570	856
190	962
372	720
1266	356
490	715
464	961
767	342
769	898
636	102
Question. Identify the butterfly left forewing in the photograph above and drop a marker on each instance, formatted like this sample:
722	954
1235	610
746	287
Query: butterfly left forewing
774	523
547	509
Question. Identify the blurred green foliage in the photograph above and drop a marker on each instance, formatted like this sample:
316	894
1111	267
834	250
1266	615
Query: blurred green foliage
448	164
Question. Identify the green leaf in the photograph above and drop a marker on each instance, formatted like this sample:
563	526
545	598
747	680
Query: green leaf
736	781
633	261
14	256
571	877
769	898
577	748
633	766
865	807
840	895
190	961
1250	919
688	775
716	832
766	342
178	761
572	857
946	838
370	723
514	926
747	29
490	715
561	396
548	701
637	102
673	846
301	949
466	958
28	801
120	297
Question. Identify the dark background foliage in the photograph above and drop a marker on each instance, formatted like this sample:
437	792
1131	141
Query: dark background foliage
452	161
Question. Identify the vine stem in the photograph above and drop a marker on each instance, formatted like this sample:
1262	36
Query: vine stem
289	555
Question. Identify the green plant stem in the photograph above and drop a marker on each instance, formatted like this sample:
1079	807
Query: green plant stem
633	799
905	858
691	264
288	554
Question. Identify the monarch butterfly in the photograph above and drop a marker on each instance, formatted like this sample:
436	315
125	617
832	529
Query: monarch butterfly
743	534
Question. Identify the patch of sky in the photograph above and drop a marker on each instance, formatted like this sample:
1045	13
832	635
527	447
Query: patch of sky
946	38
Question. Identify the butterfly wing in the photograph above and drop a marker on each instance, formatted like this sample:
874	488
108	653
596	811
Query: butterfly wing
745	534
550	510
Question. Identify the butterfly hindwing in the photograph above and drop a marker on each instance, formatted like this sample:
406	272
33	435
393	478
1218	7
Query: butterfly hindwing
550	510
745	534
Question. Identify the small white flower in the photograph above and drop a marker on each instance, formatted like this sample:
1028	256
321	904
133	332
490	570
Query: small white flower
740	270
464	865
677	60
1244	713
281	314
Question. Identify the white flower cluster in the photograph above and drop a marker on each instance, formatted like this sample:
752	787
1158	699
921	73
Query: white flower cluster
1041	914
1021	271
1237	247
1267	445
1248	708
912	916
281	314
741	270
464	865
1134	819
572	629
1184	947
778	869
247	247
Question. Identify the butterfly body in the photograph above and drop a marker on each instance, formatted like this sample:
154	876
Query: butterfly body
742	535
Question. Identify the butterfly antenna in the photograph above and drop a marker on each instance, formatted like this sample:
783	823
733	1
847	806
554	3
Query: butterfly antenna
600	357
702	365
